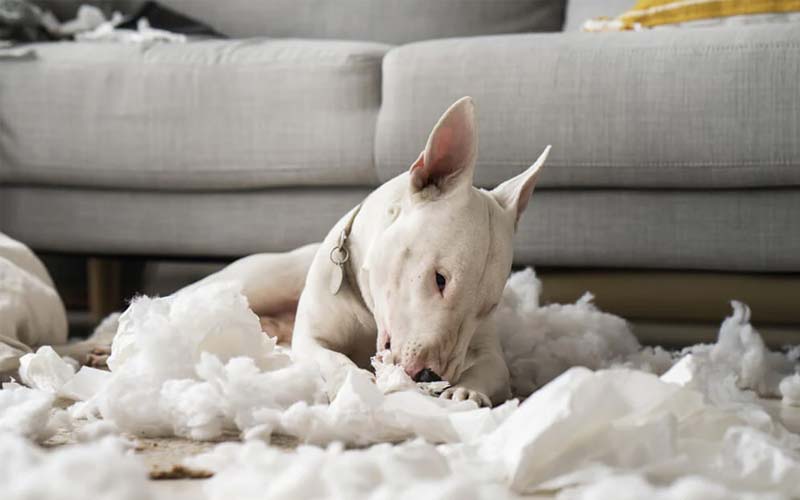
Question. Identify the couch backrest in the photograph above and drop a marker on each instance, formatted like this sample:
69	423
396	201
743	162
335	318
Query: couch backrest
579	11
387	21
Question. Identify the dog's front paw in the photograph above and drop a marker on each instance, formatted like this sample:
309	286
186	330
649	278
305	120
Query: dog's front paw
458	393
98	357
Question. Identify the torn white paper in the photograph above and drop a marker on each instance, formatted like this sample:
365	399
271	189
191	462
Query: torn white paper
45	370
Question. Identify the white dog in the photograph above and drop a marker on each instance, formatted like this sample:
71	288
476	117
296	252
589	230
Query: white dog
417	268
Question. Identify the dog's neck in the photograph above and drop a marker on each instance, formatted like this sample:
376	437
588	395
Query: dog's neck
342	256
379	210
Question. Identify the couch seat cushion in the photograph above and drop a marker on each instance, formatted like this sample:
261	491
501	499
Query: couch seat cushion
202	115
701	108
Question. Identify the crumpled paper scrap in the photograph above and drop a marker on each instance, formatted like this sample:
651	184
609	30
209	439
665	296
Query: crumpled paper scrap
593	424
45	370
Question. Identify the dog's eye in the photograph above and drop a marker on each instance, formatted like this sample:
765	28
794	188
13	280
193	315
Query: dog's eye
440	282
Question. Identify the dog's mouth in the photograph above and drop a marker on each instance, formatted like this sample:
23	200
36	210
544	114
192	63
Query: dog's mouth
384	342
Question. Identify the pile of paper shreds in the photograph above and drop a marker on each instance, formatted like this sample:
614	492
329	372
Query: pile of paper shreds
603	416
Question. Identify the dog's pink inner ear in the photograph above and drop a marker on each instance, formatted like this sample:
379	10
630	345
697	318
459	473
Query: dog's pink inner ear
449	156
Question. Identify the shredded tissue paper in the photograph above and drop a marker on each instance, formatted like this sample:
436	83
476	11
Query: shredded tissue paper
603	416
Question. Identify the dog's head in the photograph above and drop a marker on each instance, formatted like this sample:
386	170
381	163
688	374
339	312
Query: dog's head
439	268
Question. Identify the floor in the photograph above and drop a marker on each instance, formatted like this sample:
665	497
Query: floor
163	456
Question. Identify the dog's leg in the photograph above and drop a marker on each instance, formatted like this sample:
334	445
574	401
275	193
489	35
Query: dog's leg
279	326
333	365
487	380
331	327
85	352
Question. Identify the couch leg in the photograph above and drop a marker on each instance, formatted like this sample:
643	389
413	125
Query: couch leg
105	286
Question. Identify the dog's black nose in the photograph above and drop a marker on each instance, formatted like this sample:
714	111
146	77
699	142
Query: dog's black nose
427	375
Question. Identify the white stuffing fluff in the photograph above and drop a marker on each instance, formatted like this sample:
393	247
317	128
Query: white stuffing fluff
29	413
539	343
635	487
361	414
790	390
101	471
411	470
96	430
741	348
738	360
197	365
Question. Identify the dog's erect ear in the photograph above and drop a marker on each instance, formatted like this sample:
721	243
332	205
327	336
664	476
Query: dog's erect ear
515	193
449	156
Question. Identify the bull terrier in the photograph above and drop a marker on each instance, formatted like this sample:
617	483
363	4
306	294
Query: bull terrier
416	268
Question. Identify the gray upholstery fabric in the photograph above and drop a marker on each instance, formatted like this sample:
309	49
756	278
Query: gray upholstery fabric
388	21
580	11
172	223
727	230
703	108
211	114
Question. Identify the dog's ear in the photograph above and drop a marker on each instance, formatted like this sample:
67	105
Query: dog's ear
449	156
515	193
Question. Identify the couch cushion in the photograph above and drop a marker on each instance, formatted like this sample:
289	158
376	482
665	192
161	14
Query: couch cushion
201	115
704	108
388	21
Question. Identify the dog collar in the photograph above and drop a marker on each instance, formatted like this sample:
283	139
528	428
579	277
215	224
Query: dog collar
340	256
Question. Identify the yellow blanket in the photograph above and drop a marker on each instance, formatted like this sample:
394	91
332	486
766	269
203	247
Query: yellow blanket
648	13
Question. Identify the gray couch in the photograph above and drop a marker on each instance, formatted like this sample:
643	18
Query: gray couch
674	149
